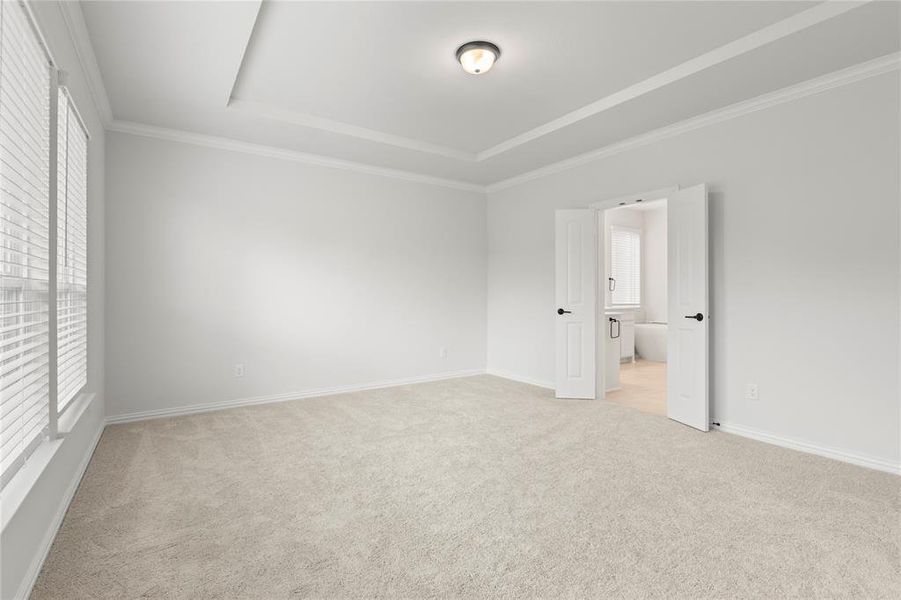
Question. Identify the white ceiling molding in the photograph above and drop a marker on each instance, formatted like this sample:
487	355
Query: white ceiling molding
776	31
782	29
75	23
258	109
250	32
84	50
879	66
839	78
222	143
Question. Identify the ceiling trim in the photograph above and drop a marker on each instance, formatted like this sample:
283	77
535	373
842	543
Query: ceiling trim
233	145
253	26
866	70
282	115
84	51
872	68
259	109
771	33
761	37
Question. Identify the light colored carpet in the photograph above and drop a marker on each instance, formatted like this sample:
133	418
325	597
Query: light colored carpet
468	488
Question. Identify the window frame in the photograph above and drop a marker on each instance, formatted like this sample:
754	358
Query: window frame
63	91
27	68
56	80
638	233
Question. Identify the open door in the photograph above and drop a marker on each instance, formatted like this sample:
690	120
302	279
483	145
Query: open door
686	369
576	308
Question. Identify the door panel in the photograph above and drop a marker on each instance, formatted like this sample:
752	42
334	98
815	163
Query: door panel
575	291
687	398
574	350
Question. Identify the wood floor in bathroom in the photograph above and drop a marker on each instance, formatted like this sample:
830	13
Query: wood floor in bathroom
644	386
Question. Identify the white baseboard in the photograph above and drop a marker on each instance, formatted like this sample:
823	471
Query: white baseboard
521	379
755	434
849	457
213	406
38	562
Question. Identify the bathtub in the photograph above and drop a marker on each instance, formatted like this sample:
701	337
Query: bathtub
650	341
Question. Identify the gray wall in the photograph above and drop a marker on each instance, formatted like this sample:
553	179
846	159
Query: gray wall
313	278
804	252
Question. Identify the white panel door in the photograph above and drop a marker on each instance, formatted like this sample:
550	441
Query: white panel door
576	277
686	368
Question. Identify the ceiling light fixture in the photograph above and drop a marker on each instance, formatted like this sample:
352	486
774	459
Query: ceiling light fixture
478	57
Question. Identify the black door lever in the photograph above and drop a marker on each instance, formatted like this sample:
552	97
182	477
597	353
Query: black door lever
698	317
560	311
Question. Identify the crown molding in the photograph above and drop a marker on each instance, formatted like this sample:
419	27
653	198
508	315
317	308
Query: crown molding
872	68
771	33
752	41
879	66
233	145
250	32
281	115
84	51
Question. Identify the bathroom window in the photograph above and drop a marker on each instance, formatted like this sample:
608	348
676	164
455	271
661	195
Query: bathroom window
625	267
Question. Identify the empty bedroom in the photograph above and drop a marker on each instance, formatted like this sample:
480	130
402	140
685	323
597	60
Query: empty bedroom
526	299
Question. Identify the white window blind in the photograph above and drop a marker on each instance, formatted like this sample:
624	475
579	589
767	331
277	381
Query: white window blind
71	269
24	216
625	266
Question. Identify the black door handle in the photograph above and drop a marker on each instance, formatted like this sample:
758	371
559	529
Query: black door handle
698	317
560	311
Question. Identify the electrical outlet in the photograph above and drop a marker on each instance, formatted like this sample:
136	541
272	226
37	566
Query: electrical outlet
751	392
239	370
442	352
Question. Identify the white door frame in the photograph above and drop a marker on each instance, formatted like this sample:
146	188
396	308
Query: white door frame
601	324
649	196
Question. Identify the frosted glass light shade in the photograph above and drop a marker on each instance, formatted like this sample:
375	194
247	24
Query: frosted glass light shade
477	58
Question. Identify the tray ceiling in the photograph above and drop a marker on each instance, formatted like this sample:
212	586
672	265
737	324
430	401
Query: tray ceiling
376	82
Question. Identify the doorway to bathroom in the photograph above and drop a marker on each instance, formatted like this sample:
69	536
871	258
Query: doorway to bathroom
634	278
583	327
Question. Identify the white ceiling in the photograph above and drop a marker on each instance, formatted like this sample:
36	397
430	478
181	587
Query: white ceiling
376	82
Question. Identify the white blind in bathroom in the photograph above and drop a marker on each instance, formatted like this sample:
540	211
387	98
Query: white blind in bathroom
625	266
